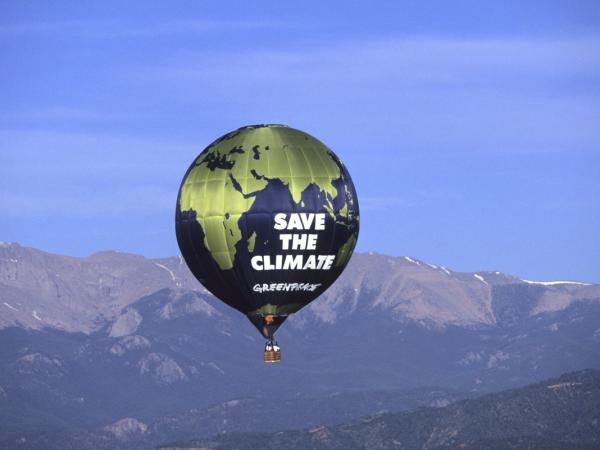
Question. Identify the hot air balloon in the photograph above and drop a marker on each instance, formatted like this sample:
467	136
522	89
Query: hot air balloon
267	218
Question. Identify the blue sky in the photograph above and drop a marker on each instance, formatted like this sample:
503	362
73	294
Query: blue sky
471	129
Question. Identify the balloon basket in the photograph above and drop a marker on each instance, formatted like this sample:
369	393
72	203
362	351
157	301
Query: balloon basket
272	352
272	356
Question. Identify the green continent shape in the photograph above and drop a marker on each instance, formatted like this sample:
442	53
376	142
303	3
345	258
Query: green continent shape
251	242
220	185
345	251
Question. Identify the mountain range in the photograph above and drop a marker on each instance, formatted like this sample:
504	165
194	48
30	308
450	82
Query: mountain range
562	413
82	294
117	350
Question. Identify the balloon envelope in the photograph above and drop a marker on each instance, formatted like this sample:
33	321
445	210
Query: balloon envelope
267	218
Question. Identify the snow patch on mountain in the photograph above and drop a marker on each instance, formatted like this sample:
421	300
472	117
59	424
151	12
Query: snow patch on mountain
554	283
167	269
480	278
214	366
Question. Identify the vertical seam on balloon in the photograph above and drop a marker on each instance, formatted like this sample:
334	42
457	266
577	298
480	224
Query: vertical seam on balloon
335	225
216	268
225	233
272	233
196	254
245	172
247	209
332	242
312	178
328	176
268	163
313	182
204	216
220	271
291	186
248	290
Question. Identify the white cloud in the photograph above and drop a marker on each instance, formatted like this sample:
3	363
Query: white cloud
410	60
383	96
78	156
110	29
516	93
60	174
89	203
174	27
56	113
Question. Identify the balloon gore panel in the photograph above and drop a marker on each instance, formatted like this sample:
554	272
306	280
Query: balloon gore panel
267	218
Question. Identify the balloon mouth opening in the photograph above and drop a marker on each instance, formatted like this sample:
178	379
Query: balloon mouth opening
267	324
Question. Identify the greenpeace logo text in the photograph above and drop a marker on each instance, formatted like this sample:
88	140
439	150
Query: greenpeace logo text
285	287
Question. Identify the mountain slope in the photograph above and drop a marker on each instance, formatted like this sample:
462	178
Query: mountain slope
141	356
39	290
556	414
190	369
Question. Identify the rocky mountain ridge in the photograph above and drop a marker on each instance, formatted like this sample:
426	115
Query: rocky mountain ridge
74	294
40	289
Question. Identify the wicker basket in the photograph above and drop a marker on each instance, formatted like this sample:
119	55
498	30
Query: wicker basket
272	356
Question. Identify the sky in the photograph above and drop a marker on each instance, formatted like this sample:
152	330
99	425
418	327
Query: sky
471	128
